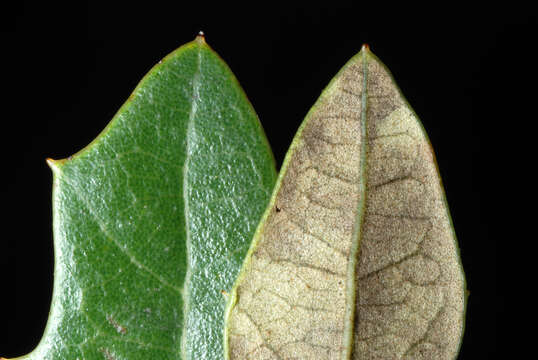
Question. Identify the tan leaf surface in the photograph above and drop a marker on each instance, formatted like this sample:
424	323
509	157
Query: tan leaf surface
356	257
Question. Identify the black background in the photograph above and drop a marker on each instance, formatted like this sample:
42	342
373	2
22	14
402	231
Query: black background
67	68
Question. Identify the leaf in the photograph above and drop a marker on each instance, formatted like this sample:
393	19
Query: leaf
153	219
355	257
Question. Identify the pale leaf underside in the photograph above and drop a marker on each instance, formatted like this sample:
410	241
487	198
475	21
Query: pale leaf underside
356	257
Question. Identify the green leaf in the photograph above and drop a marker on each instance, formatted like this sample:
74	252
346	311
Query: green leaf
356	256
153	219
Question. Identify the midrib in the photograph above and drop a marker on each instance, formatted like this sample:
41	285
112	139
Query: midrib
188	150
351	285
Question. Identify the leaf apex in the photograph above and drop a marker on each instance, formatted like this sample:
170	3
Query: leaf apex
365	47
200	38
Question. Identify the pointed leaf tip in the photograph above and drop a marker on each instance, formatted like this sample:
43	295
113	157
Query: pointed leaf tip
54	165
200	37
365	47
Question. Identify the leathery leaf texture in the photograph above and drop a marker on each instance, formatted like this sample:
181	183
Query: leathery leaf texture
356	257
153	219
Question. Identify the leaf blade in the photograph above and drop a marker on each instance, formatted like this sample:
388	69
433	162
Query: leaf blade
348	185
186	139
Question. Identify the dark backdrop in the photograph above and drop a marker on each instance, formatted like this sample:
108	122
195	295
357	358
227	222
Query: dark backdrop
66	69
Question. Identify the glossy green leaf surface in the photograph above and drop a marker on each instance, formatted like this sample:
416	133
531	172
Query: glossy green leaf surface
153	219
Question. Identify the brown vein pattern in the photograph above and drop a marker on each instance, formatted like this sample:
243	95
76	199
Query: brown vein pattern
292	296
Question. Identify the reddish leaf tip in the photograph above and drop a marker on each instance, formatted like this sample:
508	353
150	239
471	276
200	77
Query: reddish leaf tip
200	37
54	165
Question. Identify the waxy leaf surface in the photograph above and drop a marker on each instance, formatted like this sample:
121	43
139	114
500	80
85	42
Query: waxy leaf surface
356	257
152	220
